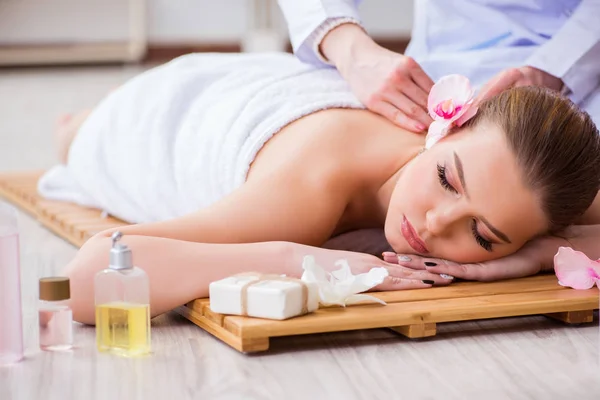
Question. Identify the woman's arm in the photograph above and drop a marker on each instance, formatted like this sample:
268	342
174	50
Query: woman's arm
293	204
181	271
592	215
536	256
183	255
584	238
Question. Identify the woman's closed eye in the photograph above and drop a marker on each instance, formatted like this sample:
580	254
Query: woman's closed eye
441	171
486	244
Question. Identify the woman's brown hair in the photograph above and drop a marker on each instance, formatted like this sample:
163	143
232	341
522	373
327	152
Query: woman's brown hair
556	145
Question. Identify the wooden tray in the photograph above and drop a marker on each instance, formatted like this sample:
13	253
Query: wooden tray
72	222
413	313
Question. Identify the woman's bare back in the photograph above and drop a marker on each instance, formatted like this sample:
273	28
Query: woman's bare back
361	149
356	151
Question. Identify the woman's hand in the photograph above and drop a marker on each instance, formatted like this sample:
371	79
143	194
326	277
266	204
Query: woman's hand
390	84
534	257
399	278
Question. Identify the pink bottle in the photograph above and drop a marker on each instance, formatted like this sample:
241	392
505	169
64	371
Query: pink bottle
11	328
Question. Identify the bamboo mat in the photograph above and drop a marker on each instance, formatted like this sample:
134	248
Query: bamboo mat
72	222
413	313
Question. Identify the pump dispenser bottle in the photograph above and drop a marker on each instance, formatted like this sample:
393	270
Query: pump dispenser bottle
122	294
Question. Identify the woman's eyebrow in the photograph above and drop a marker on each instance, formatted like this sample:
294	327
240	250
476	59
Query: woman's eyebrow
495	231
461	177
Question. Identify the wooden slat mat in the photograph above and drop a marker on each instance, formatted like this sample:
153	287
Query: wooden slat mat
69	221
413	313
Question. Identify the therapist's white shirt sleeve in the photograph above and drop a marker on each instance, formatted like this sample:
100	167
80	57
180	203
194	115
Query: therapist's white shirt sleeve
310	20
573	53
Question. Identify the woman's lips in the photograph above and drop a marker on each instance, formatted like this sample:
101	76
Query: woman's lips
411	237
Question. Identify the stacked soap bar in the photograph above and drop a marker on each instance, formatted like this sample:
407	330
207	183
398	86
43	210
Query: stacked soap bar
263	296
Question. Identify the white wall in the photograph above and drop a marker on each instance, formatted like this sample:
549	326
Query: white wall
180	21
62	21
387	18
168	21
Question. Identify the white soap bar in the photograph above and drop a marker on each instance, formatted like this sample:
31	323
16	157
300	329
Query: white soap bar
270	298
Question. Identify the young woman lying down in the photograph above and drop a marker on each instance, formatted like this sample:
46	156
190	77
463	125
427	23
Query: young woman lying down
233	163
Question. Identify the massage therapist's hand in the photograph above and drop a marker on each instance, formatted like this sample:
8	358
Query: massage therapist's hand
536	256
387	83
509	78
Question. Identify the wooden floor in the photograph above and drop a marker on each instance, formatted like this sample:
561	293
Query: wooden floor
514	358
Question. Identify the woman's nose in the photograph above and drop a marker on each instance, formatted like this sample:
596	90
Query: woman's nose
439	219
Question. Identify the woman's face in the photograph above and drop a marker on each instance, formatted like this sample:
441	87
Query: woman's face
463	200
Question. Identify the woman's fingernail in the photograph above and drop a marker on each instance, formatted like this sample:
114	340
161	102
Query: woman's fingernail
430	264
404	258
421	127
446	276
388	254
428	282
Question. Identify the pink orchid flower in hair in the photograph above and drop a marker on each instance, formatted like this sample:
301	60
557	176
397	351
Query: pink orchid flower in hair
449	99
574	269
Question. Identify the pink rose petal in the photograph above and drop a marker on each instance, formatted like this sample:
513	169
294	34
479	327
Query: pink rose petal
574	269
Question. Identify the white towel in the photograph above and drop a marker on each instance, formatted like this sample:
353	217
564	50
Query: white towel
183	135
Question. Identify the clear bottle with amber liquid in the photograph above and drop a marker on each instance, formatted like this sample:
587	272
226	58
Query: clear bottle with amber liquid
122	299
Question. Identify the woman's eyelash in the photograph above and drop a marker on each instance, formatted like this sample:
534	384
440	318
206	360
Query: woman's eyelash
487	245
443	180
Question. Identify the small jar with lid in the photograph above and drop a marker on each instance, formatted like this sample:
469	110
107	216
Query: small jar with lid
55	315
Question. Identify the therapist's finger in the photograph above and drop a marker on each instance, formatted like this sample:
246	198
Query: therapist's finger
394	283
392	113
420	77
412	280
504	80
413	92
400	271
446	269
409	108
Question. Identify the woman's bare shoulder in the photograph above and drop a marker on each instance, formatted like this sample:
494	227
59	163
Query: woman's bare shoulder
334	144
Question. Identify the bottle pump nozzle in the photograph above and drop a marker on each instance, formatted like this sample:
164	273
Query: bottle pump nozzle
120	254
